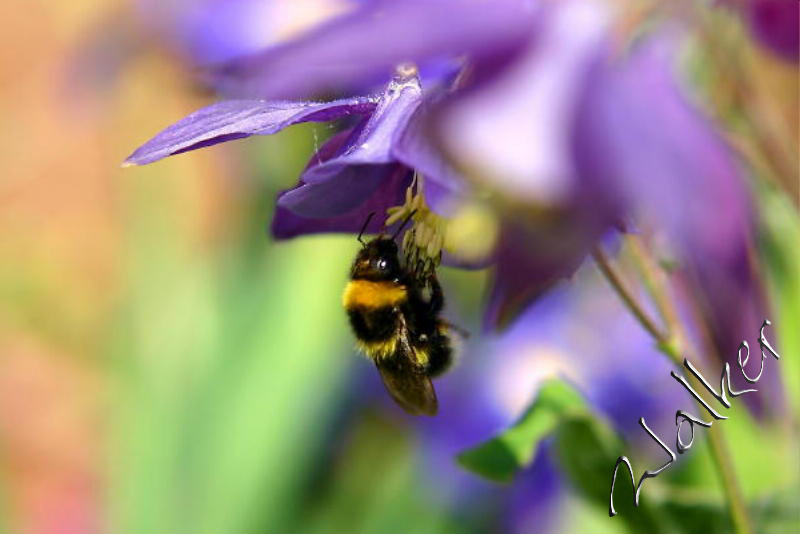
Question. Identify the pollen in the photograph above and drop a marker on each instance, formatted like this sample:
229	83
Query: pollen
423	242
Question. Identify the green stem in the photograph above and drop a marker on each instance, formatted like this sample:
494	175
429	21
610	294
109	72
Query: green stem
627	297
721	456
670	347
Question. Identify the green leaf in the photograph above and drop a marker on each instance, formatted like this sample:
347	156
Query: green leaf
385	497
587	450
778	512
502	456
780	233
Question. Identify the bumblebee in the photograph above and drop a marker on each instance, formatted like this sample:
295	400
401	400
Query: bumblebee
395	318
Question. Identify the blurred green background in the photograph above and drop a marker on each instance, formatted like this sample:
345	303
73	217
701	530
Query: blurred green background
166	368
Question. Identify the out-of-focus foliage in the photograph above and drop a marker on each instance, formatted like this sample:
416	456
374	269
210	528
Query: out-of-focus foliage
502	456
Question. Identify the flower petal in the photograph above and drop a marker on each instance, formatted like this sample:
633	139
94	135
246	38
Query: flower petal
371	143
372	40
235	119
306	197
512	130
533	258
413	147
637	133
340	194
636	129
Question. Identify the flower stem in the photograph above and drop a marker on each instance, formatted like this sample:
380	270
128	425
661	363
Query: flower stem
627	297
669	345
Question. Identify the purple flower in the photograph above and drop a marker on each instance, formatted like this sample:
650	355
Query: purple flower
366	42
571	140
369	168
361	170
583	334
388	189
568	137
363	163
675	174
622	143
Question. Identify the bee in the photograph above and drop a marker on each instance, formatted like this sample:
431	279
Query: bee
395	318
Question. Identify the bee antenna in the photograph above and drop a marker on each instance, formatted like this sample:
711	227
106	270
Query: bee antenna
405	222
364	228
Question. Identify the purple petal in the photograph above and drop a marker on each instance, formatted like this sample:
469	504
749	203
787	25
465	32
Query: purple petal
209	31
217	30
371	143
338	205
583	333
414	148
235	119
342	193
637	133
373	40
532	260
537	499
513	129
444	200
287	223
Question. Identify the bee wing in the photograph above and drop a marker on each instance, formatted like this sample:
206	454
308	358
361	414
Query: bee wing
406	380
409	386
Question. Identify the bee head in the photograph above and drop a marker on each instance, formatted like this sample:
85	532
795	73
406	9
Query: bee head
377	261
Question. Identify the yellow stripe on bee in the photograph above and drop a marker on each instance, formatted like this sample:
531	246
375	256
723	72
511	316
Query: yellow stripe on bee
372	295
379	350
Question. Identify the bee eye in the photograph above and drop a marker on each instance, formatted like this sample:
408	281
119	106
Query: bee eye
381	264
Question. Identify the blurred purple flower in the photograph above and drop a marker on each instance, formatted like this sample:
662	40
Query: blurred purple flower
200	32
354	48
620	139
206	32
674	173
583	334
211	31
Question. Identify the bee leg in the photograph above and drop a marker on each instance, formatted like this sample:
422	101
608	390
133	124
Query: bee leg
437	296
